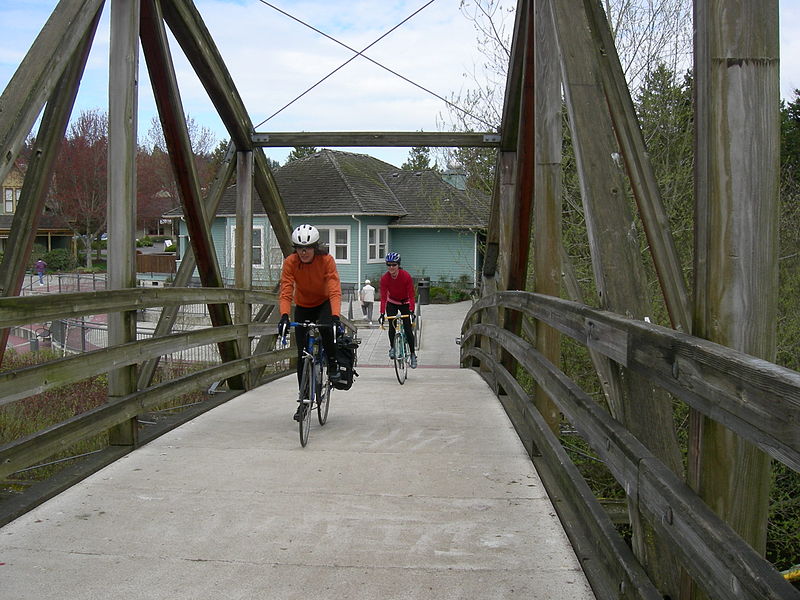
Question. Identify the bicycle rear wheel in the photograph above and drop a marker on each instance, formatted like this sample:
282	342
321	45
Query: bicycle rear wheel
417	332
307	393
325	387
400	357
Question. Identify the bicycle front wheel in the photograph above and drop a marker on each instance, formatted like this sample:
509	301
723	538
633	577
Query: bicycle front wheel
400	358
307	393
324	398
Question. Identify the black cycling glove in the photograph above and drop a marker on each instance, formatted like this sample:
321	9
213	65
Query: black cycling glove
283	325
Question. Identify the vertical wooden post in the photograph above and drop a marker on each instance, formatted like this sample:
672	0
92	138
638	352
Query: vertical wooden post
122	123
619	273
524	176
736	269
243	243
547	193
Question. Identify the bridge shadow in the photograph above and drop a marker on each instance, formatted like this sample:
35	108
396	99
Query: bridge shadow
419	491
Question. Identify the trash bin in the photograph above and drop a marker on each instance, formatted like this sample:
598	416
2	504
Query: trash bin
424	290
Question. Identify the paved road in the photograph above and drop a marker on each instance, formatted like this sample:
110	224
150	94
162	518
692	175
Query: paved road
421	492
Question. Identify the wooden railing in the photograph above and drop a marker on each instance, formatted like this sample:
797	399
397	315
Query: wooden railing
23	383
758	400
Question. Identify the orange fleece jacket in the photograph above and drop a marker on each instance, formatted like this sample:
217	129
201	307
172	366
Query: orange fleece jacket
309	285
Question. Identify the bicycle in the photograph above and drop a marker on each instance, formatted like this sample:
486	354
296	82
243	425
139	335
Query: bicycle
315	386
402	350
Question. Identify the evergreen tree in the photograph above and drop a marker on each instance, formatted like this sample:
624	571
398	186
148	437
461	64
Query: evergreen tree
419	159
790	133
300	152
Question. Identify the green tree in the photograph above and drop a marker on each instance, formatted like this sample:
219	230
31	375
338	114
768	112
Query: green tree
790	132
301	152
664	107
419	159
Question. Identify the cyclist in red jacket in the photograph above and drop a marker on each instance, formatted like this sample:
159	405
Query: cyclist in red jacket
397	295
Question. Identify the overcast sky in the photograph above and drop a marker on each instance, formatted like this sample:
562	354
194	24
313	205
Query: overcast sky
273	59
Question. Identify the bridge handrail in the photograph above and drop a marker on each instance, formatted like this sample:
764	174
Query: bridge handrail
716	557
24	382
17	310
757	399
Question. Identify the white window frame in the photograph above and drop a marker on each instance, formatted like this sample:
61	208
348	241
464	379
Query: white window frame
10	198
331	230
232	245
275	253
379	247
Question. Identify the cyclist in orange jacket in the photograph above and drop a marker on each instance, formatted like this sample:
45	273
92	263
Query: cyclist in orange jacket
309	279
397	295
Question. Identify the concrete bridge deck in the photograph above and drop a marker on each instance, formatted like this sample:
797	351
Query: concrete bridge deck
419	491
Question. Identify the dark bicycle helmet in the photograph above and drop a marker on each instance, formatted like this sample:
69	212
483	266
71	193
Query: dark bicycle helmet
305	235
393	257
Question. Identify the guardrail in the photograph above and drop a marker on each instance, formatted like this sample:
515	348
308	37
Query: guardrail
758	400
22	383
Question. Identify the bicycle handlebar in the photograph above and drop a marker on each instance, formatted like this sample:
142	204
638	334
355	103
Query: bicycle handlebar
408	316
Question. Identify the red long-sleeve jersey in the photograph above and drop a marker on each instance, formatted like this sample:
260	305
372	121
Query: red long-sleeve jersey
397	290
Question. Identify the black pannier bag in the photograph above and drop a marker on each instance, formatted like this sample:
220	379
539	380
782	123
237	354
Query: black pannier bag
346	348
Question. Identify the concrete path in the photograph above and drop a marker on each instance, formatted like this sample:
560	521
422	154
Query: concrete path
421	492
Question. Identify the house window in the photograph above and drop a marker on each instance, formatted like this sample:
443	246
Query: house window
338	242
256	247
275	253
11	196
376	243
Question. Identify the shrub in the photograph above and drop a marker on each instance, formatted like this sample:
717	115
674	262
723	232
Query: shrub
439	295
145	241
60	259
171	248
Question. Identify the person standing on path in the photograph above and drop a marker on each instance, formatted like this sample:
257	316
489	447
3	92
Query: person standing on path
397	295
40	266
367	299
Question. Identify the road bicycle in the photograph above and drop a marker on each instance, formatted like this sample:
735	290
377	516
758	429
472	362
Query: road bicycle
315	383
402	350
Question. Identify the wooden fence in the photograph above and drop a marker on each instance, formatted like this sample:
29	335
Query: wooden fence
16	385
757	399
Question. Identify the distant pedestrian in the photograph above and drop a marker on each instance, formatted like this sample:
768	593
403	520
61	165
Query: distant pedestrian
367	295
40	266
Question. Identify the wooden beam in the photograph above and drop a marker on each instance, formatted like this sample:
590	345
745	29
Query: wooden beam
123	98
547	191
176	135
25	223
38	74
385	139
194	38
169	314
640	171
20	310
513	94
738	202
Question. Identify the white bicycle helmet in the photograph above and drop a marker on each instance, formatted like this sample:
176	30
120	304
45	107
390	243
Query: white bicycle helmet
305	235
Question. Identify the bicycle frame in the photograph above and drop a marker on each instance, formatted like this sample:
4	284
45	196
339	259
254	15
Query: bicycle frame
315	388
400	347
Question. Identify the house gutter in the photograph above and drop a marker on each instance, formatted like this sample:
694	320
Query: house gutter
358	283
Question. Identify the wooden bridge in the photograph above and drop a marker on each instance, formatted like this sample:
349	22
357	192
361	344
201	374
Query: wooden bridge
697	528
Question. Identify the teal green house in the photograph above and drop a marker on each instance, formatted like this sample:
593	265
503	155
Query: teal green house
364	208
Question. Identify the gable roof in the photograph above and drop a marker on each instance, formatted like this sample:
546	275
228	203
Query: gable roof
331	182
432	202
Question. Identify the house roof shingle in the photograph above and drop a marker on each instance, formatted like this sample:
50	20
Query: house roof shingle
332	182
